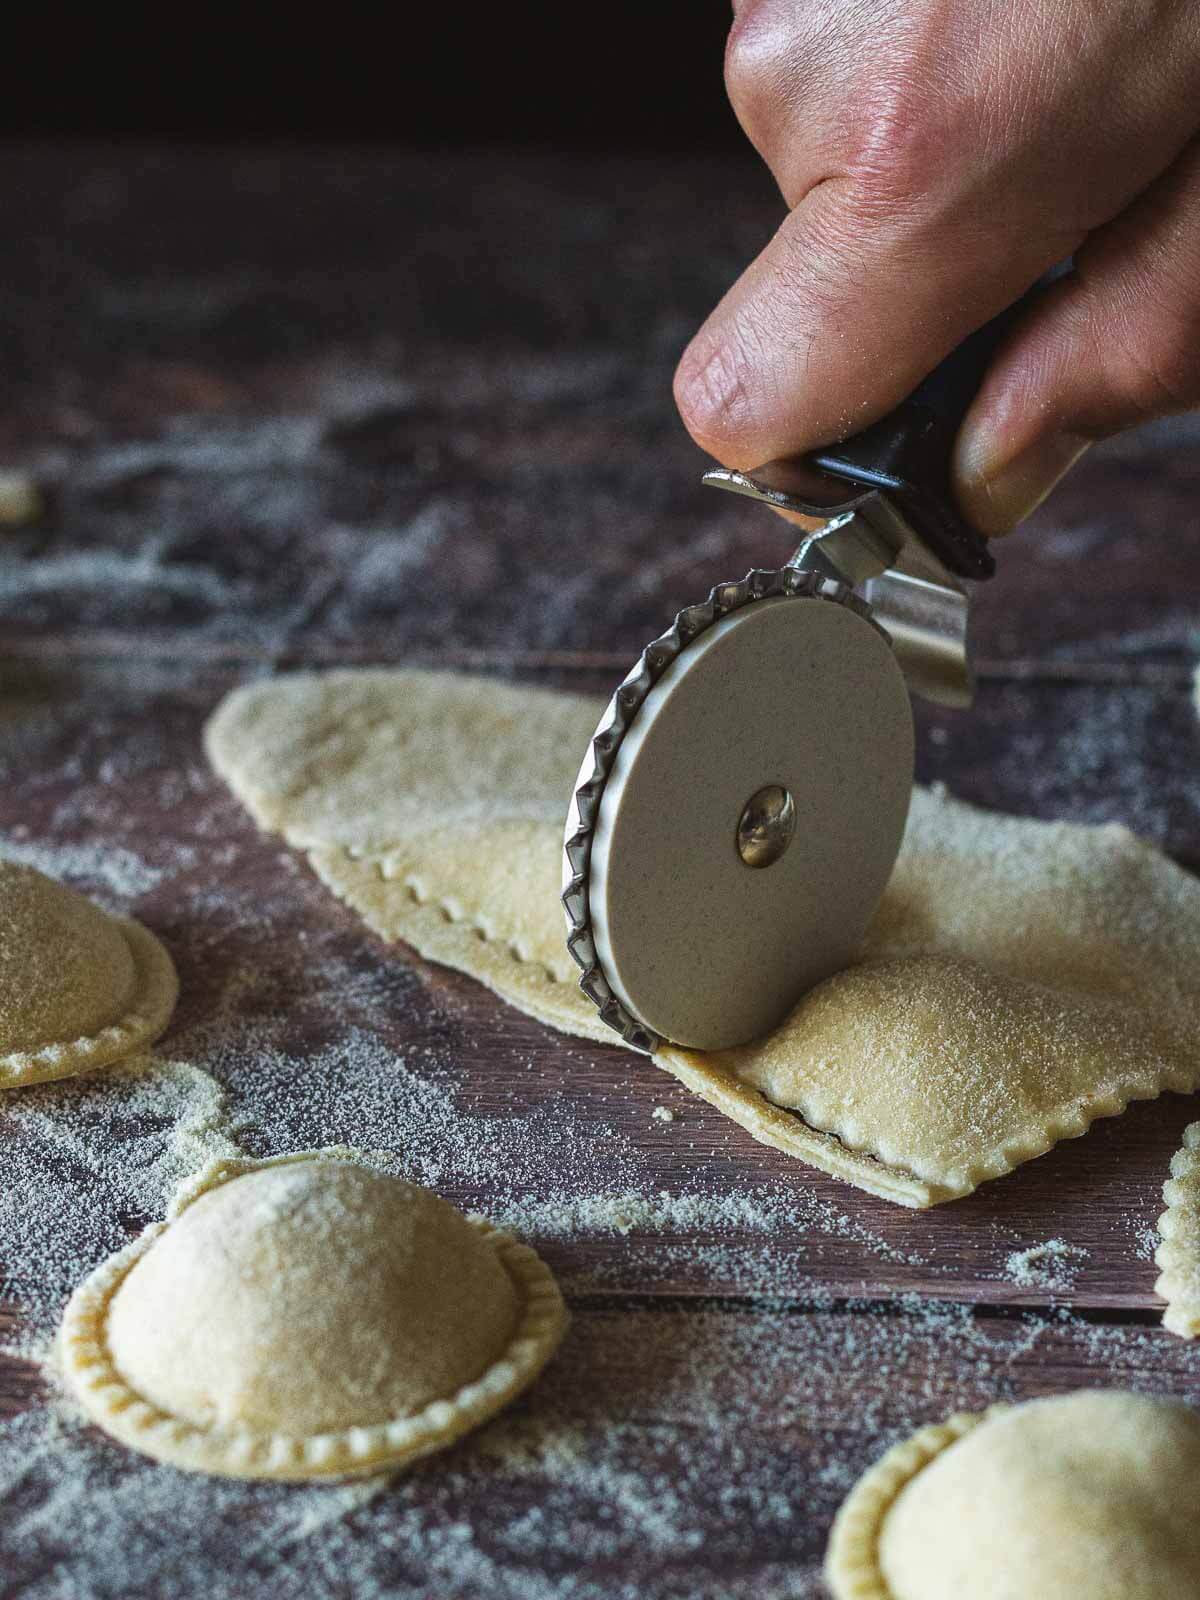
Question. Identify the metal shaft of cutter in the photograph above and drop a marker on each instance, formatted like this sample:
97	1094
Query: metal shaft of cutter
864	540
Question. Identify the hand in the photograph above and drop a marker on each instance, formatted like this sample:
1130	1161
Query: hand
937	157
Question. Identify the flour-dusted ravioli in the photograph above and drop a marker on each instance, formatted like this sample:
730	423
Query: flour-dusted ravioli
1087	1494
306	1317
1178	1255
78	988
1019	980
955	1072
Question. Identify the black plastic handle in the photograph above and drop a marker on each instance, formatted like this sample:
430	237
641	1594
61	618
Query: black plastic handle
908	452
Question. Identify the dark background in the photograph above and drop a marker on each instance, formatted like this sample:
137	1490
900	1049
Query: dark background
609	76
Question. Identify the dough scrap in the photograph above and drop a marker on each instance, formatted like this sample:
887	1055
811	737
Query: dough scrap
1179	1227
306	1317
1091	1493
78	988
1020	978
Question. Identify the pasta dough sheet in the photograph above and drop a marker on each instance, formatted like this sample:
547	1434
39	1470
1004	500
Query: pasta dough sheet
1019	980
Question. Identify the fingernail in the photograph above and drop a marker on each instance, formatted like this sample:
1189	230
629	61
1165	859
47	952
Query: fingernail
996	494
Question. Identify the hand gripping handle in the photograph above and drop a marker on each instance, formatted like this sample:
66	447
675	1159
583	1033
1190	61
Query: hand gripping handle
908	453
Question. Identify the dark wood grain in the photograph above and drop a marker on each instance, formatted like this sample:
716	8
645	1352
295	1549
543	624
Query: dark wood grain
316	409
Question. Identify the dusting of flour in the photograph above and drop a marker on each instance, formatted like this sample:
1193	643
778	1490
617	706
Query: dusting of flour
585	1481
1050	1265
582	1482
85	1164
121	872
576	1487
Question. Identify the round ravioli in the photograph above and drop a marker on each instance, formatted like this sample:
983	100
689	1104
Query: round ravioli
78	988
305	1317
1091	1493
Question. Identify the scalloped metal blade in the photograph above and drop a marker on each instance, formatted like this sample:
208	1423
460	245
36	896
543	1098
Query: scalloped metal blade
775	708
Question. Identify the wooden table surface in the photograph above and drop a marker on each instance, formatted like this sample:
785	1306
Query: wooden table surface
311	409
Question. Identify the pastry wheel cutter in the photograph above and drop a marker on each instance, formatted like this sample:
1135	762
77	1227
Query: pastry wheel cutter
741	805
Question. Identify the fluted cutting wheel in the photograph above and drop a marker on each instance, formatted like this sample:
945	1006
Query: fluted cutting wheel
729	847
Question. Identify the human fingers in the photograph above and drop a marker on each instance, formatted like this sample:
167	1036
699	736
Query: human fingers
1115	344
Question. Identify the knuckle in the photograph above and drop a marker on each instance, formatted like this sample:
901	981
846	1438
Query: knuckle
757	54
752	45
903	137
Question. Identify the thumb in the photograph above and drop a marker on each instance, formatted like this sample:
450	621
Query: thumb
1115	344
846	310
